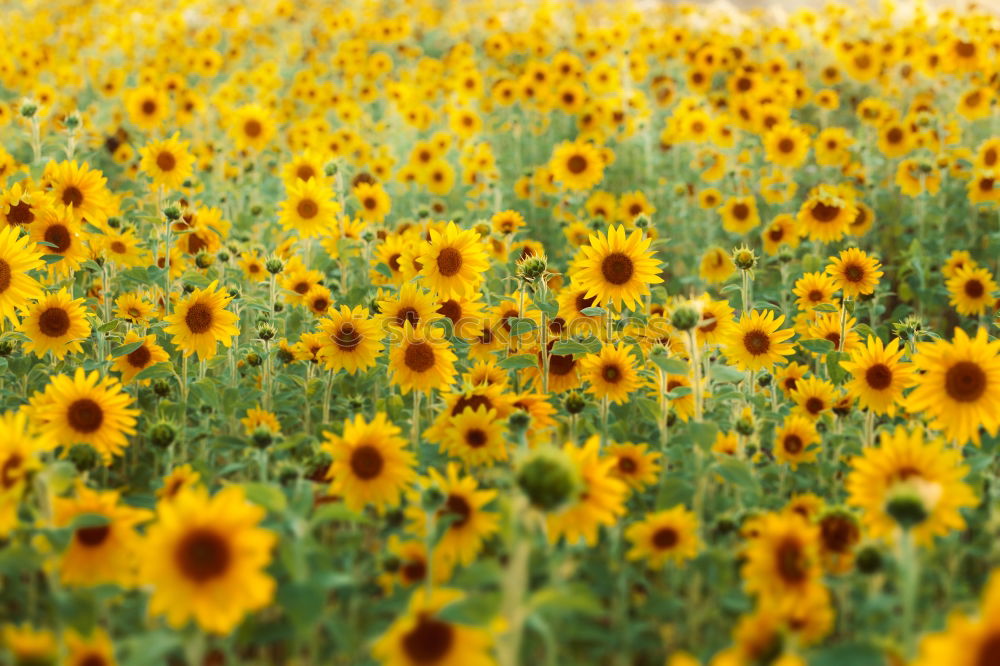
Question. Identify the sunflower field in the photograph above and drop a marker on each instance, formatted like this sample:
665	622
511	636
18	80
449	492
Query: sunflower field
493	332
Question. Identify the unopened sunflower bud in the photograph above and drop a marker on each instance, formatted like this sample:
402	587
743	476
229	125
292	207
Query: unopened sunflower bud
764	380
575	403
256	210
907	507
745	426
6	348
172	213
684	318
223	256
868	560
28	108
531	268
423	213
114	222
391	564
785	256
161	388
265	331
203	260
548	478
253	359
262	437
518	422
744	258
642	221
162	435
84	457
274	265
432	498
330	169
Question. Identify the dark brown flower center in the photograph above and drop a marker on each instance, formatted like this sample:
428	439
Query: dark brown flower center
449	261
895	135
203	554
59	236
253	128
307	209
85	415
166	161
305	172
347	337
472	402
617	268
5	276
20	214
854	272
974	288
665	538
756	342
366	462
10	471
815	405
54	322
92	537
965	381
878	376
419	356
198	318
611	373
822	212
476	438
989	651
792	444
407	314
451	309
786	145
429	642
626	465
791	562
839	534
72	196
414	571
576	164
561	365
140	357
741	211
148	107
457	506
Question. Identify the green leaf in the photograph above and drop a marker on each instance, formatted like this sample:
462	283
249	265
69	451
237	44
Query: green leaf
738	473
704	434
122	350
475	609
819	346
672	492
671	366
158	371
383	269
855	654
339	513
88	520
521	325
825	307
268	496
679	392
519	362
726	373
833	367
52	258
592	311
566	599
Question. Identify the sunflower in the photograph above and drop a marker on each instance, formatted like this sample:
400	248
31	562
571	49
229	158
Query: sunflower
371	463
201	322
179	477
423	360
469	523
465	314
133	308
260	418
827	214
411	305
125	249
782	562
56	322
577	165
828	325
168	162
147	107
894	139
351	340
303	166
453	261
905	464
786	145
636	465
104	552
147	354
375	203
204	558
958	259
422	637
17	259
972	291
86	409
57	233
93	650
854	272
308	207
19	449
739	214
251	127
82	189
476	437
716	265
665	535
878	375
958	385
618	270
611	373
782	231
600	500
967	640
814	289
253	266
297	280
22	204
794	441
757	341
29	646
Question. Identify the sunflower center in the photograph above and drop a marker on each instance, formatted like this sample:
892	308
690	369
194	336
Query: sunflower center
823	212
791	562
617	268
989	651
370	203
665	537
786	145
166	161
990	157
54	322
85	415
815	296
20	213
814	405
305	172
366	462
91	537
792	444
741	211
965	381
895	135
965	49
320	304
472	402
9	471
59	236
93	659
5	276
974	289
561	364
203	555
198	318
407	314
252	128
451	309
834	337
476	438
854	273
878	376
301	287
118	247
611	374
776	233
393	262
414	571
148	107
419	356
429	642
839	534
72	196
576	164
347	337
307	209
756	342
457	506
140	357
582	302
449	261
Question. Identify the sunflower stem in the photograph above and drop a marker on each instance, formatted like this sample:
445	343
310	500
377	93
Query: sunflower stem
909	571
869	428
604	422
415	421
515	585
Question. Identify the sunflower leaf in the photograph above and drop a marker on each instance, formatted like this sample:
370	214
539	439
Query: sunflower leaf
671	366
519	362
819	346
158	371
122	350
